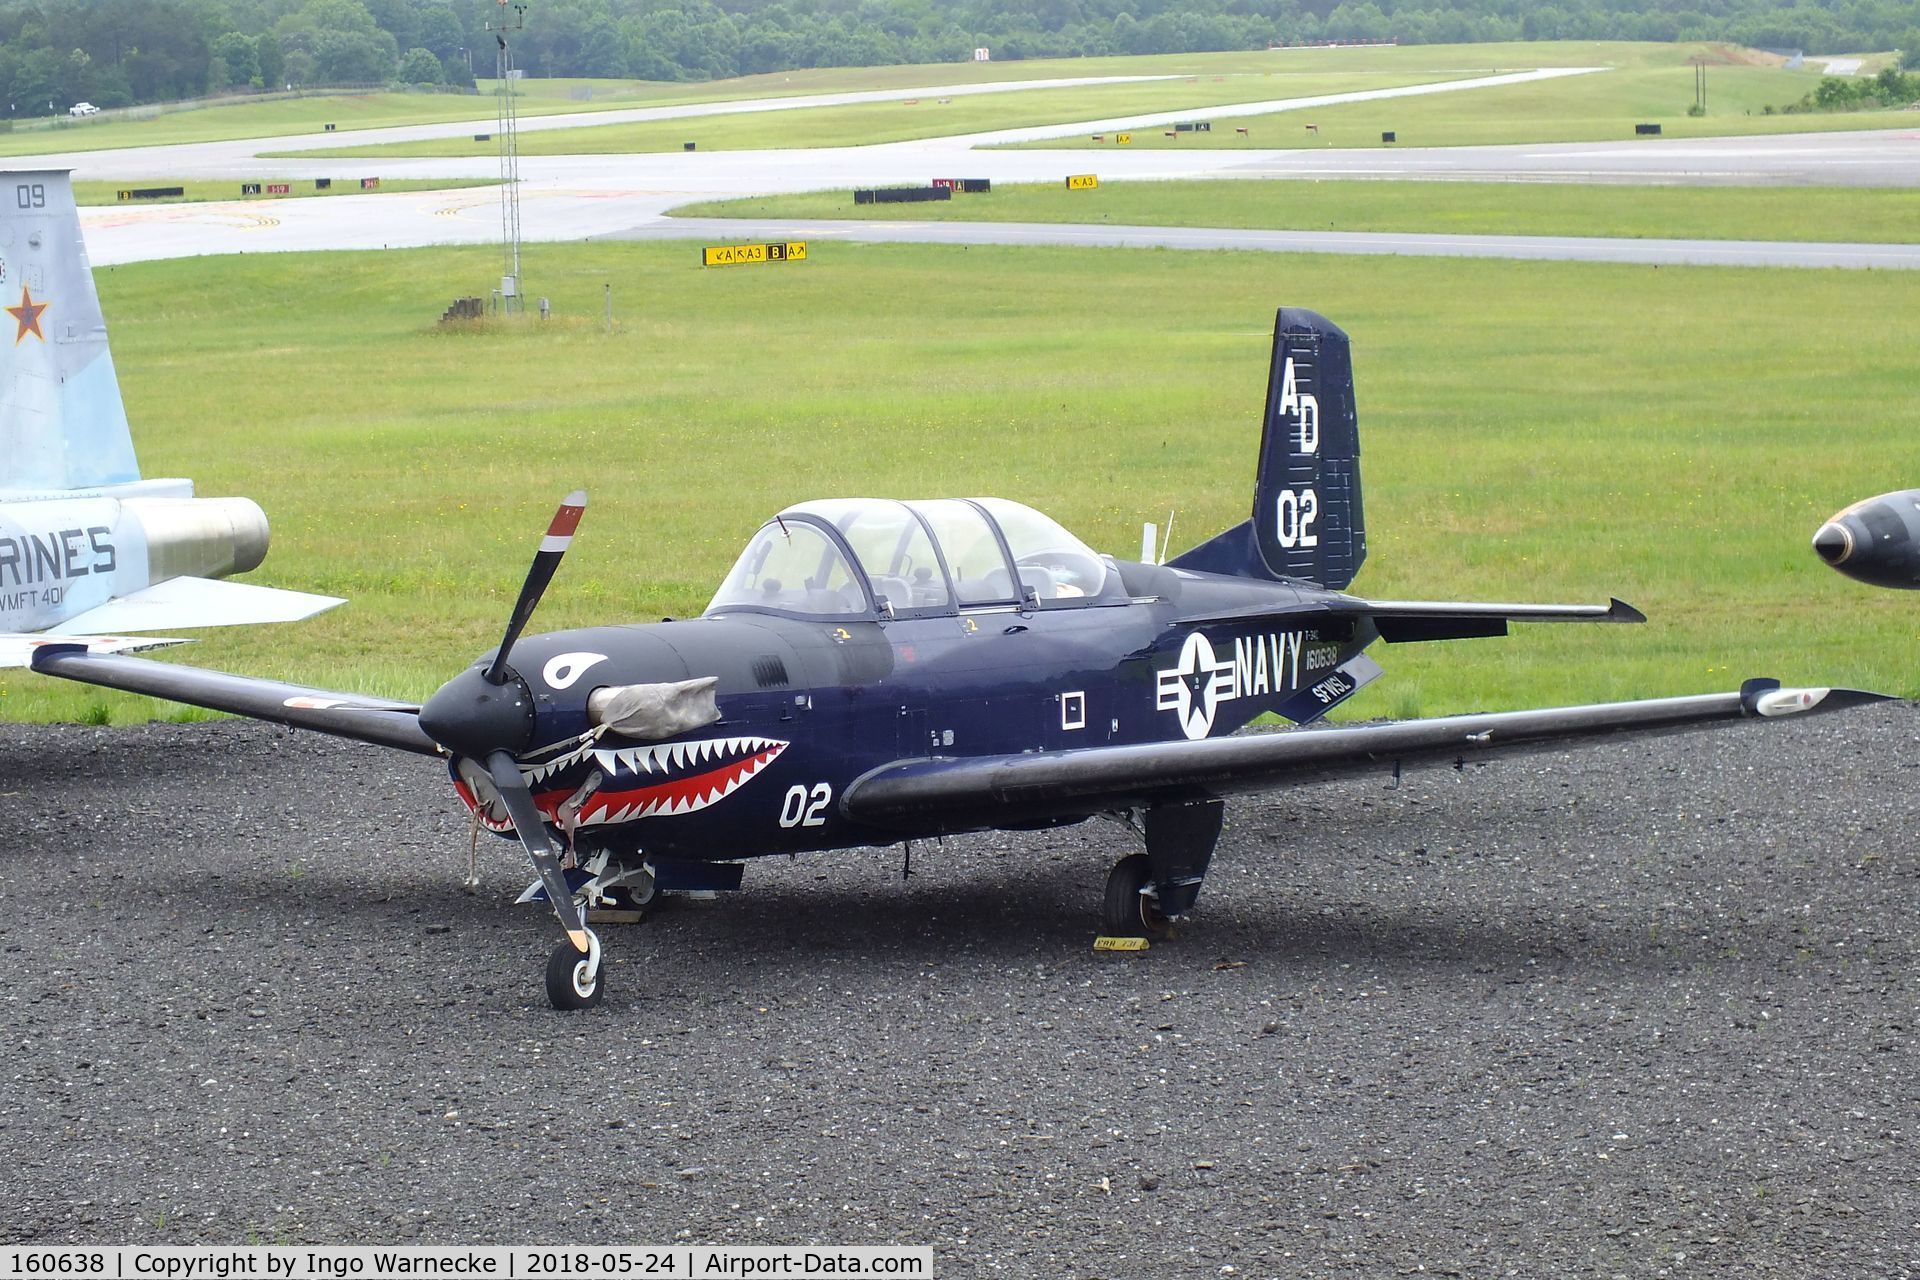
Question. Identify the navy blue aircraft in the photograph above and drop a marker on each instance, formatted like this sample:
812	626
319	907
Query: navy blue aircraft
1875	541
873	671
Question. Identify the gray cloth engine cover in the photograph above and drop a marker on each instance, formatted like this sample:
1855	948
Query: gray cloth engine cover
655	710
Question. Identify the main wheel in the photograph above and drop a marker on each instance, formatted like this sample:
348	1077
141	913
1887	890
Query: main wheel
1128	911
569	985
627	904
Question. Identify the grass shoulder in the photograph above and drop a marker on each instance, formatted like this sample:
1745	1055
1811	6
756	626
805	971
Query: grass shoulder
1866	215
201	191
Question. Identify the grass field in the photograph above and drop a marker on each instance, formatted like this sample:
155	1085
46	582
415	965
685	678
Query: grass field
1647	84
200	192
1644	83
1651	82
864	123
1532	432
1877	215
310	114
275	117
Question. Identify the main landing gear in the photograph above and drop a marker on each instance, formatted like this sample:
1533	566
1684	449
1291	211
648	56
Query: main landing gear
1145	891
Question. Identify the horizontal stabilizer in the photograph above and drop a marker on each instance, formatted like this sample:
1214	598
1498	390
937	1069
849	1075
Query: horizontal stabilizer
1403	620
179	603
16	648
989	790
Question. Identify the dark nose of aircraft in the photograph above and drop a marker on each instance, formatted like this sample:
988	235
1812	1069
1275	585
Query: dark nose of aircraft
471	717
1875	541
1832	543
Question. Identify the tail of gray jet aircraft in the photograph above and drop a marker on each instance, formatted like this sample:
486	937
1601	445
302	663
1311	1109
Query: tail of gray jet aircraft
1306	521
66	427
87	547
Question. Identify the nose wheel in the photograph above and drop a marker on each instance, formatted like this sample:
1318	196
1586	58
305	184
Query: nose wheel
575	981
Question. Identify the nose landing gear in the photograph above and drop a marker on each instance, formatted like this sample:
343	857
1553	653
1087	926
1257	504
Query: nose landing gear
575	981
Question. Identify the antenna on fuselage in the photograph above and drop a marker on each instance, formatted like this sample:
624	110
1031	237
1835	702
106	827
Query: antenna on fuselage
1149	533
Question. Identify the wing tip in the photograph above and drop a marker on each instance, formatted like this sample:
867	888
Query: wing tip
1766	697
1619	610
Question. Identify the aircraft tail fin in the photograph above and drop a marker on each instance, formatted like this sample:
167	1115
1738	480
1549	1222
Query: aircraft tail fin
1306	520
62	424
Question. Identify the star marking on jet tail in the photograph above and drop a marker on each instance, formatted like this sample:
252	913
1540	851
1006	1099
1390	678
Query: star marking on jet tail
28	315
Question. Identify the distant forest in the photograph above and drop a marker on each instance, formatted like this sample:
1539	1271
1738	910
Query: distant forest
117	53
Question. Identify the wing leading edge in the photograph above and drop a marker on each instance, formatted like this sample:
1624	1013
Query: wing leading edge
1033	787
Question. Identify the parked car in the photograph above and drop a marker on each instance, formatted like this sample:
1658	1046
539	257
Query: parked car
83	109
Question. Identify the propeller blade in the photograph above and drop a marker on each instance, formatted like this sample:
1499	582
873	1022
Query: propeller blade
528	825
545	561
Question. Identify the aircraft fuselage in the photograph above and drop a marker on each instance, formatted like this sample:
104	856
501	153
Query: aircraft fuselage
808	706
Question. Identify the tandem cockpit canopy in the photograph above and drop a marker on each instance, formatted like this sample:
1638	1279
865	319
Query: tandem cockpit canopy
862	557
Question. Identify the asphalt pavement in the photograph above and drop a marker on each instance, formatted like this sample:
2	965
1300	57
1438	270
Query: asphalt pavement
1648	1009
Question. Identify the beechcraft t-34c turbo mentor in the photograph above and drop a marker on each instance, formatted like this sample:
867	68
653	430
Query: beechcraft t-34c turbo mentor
86	546
873	671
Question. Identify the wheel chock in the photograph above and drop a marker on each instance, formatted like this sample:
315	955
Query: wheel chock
1104	943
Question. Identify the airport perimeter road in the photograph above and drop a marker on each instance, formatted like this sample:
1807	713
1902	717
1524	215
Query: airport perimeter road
1643	1008
1712	253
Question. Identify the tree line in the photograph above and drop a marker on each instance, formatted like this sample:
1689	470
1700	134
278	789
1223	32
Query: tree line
124	52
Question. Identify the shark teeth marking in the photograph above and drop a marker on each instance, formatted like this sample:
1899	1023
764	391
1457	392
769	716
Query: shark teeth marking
655	781
662	780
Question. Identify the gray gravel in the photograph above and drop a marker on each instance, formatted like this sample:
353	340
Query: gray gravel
1647	1010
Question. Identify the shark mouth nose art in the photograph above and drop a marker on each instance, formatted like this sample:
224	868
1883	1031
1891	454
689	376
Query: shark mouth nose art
624	784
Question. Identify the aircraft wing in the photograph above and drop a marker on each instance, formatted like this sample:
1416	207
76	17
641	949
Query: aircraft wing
17	647
197	602
1055	784
345	715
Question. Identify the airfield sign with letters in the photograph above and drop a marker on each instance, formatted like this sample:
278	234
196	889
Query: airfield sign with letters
728	255
1082	181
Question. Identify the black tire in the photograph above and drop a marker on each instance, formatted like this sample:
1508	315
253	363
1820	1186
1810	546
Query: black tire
566	985
1127	912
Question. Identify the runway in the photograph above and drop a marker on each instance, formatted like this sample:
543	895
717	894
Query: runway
1576	1014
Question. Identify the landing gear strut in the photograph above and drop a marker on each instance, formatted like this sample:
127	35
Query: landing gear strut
1146	890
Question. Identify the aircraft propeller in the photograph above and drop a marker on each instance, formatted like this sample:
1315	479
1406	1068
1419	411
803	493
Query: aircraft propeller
488	716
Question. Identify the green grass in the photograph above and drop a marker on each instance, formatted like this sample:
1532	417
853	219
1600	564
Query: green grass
279	116
1533	431
197	192
1877	215
1647	84
864	123
310	113
1653	78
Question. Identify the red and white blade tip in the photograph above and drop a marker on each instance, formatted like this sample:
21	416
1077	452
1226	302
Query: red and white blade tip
565	521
